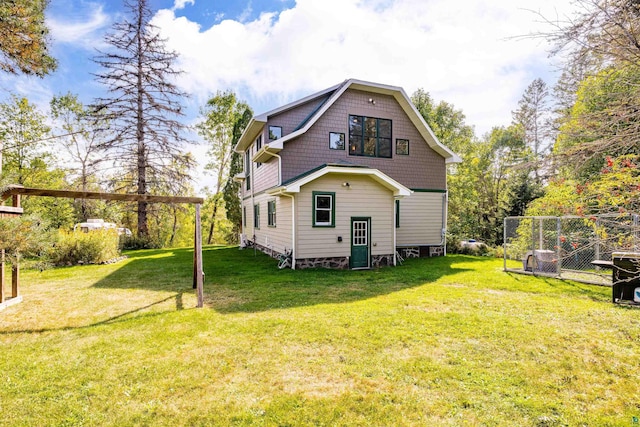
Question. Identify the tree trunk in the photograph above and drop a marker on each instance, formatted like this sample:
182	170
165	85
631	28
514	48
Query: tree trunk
143	229
213	220
175	225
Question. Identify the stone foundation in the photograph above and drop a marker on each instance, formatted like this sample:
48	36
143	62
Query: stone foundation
410	252
336	263
421	251
381	261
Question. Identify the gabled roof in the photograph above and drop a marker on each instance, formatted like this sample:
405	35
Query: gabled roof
328	97
293	185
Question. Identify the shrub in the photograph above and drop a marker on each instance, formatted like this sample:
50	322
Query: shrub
135	242
94	247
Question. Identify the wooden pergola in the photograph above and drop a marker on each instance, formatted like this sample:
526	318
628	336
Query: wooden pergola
16	191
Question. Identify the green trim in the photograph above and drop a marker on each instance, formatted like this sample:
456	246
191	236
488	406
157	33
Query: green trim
271	213
310	171
256	216
361	218
333	209
311	114
427	190
397	213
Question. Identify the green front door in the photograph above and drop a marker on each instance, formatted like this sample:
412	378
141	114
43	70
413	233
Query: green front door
360	245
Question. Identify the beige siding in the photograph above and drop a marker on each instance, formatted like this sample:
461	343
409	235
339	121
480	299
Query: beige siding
363	198
277	238
421	219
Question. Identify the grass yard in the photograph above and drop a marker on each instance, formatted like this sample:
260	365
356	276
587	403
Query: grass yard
436	342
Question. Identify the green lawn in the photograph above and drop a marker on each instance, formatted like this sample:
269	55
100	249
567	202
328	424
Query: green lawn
449	341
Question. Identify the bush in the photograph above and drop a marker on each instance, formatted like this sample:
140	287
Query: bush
135	242
94	247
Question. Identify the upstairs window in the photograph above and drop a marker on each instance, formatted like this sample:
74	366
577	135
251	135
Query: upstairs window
258	147
247	168
275	132
369	136
336	141
402	147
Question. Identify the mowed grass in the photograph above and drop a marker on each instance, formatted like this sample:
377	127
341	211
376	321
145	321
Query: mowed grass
449	341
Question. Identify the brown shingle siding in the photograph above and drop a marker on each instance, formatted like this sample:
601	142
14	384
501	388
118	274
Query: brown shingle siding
423	168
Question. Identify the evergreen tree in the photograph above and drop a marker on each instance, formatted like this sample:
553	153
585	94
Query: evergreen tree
143	106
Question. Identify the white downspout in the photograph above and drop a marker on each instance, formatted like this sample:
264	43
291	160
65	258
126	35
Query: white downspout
293	229
293	208
395	221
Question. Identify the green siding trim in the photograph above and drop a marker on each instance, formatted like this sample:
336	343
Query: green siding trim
333	209
427	190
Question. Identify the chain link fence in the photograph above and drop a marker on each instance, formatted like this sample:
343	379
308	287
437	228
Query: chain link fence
566	247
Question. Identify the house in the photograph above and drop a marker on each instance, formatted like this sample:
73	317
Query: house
348	177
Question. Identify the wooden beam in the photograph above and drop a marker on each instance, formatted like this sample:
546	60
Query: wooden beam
16	190
197	255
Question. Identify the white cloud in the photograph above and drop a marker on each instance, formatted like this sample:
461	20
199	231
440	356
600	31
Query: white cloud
180	4
460	52
82	28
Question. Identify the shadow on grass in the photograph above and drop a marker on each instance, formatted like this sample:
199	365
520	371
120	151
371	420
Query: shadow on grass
247	281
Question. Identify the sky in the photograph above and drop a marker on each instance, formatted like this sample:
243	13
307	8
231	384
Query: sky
473	54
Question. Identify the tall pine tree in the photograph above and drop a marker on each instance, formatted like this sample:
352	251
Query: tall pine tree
143	106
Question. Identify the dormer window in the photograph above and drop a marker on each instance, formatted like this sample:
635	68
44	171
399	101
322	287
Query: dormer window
275	132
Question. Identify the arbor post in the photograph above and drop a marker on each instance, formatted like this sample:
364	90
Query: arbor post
198	279
1	276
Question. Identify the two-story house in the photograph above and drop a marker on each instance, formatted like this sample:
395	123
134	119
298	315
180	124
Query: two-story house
344	178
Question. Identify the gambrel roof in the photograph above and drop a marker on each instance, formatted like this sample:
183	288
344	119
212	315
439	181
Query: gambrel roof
326	98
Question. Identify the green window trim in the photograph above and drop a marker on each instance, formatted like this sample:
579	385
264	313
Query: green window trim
247	169
397	213
319	207
271	213
256	217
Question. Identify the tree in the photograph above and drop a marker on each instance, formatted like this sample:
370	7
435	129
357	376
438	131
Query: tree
24	38
222	124
142	106
231	191
533	116
22	132
602	45
80	137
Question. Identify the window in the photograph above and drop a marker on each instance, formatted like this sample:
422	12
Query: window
336	141
397	213
244	216
369	136
247	168
258	147
256	216
402	147
271	213
275	132
324	210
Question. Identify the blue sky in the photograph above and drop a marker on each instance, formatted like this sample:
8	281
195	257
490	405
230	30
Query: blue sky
274	51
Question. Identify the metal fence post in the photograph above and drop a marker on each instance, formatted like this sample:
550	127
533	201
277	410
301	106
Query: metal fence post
558	246
597	239
504	244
